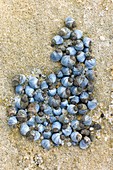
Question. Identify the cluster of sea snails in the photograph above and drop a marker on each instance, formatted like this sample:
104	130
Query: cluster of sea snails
54	108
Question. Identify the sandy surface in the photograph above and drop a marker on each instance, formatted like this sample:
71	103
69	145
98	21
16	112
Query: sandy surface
26	29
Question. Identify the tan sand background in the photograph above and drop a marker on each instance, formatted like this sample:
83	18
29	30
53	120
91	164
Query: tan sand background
26	29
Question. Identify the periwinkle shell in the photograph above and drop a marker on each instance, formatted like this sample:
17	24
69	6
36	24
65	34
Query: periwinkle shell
84	144
76	137
67	61
92	104
56	55
70	51
90	75
22	115
31	121
74	99
65	33
39	119
12	121
54	102
33	82
41	128
79	45
17	102
87	41
77	70
74	124
52	92
44	85
82	109
52	78
59	74
47	134
72	109
45	144
63	92
67	131
33	108
18	79
56	126
47	109
29	91
73	90
24	128
52	119
56	138
81	57
84	97
76	34
19	89
36	136
67	81
87	120
39	96
57	111
66	71
90	63
70	22
64	103
57	40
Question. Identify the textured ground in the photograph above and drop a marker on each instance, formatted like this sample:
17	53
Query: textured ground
26	29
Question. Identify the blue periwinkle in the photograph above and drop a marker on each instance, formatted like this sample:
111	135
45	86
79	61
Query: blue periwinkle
52	78
39	96
56	126
47	134
90	63
67	131
72	109
19	89
44	85
81	57
70	22
33	82
57	111
45	144
74	124
24	128
67	61
84	143
12	121
87	41
71	51
79	45
56	55
56	138
29	91
65	33
76	137
87	120
92	104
